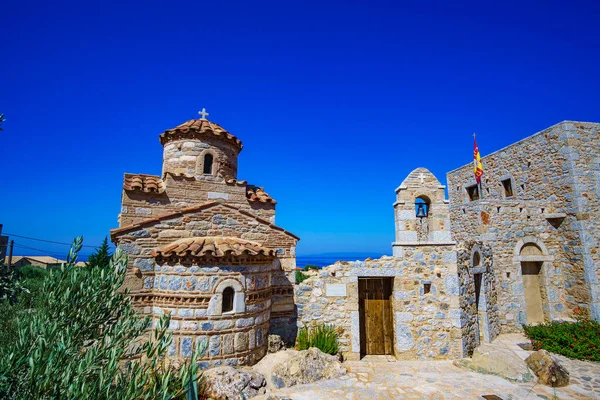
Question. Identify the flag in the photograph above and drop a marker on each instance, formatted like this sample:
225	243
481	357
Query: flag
477	166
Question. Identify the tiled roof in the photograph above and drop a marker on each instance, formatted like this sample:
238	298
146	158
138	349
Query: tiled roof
39	259
195	128
118	231
235	182
143	183
254	193
214	246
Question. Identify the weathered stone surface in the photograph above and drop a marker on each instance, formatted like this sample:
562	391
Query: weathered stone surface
497	360
547	368
306	367
228	383
275	344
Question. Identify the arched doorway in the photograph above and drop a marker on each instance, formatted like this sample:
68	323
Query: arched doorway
477	278
531	271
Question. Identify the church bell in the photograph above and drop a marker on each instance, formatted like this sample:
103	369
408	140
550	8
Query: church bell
421	211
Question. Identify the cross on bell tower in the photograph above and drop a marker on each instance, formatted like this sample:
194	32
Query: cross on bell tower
203	114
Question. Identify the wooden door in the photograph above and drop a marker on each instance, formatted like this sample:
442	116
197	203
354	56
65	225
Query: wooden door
375	306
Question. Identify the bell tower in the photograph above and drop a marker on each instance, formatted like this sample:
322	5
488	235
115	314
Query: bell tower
421	212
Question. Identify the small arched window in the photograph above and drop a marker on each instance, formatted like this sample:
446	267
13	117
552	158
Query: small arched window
421	207
208	164
476	260
227	304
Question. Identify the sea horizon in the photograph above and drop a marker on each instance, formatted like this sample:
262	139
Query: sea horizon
325	259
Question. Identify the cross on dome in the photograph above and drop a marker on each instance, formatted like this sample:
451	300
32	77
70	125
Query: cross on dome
203	114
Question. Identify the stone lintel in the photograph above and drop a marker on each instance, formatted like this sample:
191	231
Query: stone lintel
533	258
556	216
425	243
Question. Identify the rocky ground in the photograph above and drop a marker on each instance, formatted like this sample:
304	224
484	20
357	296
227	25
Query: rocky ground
385	378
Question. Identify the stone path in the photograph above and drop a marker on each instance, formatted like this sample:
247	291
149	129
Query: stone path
386	378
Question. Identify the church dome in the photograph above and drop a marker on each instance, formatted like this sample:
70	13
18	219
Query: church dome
197	129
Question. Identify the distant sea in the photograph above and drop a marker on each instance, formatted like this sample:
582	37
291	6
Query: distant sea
323	260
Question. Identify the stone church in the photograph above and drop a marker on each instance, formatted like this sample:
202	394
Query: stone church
204	248
522	248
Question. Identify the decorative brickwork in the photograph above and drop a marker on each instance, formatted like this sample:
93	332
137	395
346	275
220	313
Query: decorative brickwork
203	247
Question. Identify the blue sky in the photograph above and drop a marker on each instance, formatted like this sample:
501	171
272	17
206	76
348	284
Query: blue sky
335	102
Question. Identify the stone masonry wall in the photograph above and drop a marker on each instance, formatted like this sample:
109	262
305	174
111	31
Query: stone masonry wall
186	192
479	324
186	157
543	210
581	146
187	293
217	220
426	326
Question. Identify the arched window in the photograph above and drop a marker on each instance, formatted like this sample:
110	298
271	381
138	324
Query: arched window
208	164
476	259
422	206
227	304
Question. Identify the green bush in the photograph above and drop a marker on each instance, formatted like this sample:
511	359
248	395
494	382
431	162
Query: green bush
323	337
86	342
579	340
27	301
309	267
300	277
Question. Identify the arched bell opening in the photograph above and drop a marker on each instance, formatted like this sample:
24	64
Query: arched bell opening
422	211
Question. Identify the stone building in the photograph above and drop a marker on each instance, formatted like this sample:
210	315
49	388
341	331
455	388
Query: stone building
538	213
203	247
520	249
407	305
524	250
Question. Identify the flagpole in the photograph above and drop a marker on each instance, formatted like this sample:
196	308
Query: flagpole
480	184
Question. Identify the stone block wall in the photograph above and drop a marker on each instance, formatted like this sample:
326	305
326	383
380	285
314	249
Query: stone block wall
480	323
186	156
213	220
426	325
553	175
192	295
182	192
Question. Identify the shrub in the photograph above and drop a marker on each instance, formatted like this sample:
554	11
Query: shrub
86	342
579	340
28	301
323	337
308	267
10	285
300	277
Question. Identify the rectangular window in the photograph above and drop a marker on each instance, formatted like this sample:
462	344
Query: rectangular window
473	192
426	288
507	185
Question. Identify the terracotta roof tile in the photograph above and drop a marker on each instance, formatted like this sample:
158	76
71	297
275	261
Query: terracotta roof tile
198	127
214	246
254	193
143	183
235	182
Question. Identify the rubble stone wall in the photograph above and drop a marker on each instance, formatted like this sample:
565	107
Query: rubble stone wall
185	192
426	325
554	179
192	295
186	157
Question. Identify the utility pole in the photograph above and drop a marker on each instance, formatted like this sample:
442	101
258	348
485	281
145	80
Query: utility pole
10	251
